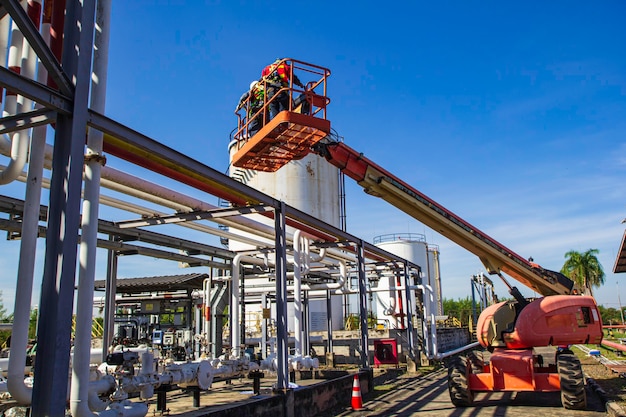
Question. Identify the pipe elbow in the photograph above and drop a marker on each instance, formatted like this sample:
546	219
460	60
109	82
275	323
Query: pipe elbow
19	154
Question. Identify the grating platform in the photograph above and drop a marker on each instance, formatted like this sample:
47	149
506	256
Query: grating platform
287	137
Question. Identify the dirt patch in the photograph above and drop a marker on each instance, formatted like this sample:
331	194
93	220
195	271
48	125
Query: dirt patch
611	382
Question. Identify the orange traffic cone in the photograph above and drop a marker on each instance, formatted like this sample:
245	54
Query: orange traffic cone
357	401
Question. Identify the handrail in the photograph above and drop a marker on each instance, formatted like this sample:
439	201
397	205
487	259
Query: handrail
318	102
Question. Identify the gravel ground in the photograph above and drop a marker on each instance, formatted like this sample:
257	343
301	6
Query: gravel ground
613	385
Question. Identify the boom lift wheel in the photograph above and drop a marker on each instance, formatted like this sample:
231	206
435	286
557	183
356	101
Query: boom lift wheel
573	394
458	384
476	361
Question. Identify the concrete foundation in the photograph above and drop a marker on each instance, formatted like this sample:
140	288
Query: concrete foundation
306	401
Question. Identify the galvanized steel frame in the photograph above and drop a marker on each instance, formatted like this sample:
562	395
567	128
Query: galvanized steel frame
69	109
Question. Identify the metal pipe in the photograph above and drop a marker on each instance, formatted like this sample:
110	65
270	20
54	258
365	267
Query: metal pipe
298	269
79	389
429	322
18	55
443	355
26	263
234	299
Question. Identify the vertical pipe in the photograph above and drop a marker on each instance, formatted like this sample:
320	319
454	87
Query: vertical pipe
89	221
5	27
233	310
409	312
297	289
306	346
425	327
28	247
57	292
329	320
473	283
199	310
110	292
281	298
14	104
363	306
264	327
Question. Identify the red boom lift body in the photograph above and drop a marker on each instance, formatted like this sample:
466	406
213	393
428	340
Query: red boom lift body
510	331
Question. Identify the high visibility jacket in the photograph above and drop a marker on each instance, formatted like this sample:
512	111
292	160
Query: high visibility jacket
257	98
277	73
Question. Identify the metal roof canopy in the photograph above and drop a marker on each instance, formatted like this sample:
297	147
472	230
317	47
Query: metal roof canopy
620	261
187	282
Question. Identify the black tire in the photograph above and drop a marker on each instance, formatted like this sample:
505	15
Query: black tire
476	361
573	396
458	385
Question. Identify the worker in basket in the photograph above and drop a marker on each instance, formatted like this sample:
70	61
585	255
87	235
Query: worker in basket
254	98
277	77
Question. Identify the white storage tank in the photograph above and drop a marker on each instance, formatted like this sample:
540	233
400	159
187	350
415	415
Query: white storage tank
390	309
434	274
311	185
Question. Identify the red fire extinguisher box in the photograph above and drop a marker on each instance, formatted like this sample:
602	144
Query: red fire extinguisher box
385	352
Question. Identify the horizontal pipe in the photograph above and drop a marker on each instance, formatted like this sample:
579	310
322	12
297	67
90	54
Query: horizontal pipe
443	355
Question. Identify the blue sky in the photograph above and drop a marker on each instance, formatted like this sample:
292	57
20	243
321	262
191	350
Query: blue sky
509	114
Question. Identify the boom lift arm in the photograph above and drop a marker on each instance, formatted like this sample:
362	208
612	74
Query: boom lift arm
495	257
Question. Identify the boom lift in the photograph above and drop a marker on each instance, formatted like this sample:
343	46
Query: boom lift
511	331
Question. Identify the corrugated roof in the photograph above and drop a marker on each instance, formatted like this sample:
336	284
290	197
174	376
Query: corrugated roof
159	283
620	262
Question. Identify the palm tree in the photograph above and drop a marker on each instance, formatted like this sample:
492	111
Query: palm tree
584	269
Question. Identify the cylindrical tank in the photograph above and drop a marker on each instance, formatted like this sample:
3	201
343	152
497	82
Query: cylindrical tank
311	185
390	308
434	273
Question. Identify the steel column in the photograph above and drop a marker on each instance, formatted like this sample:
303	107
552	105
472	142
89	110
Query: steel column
363	306
57	292
282	350
109	294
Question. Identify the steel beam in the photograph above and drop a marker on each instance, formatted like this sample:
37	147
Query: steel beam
26	120
35	91
193	215
45	55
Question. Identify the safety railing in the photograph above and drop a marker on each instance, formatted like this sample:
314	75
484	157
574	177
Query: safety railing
290	97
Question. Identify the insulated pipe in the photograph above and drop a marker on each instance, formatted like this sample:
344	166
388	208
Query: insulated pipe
443	355
206	300
430	323
27	67
28	248
235	330
79	389
126	408
298	267
101	386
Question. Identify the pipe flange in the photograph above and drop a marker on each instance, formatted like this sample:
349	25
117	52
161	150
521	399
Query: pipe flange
205	375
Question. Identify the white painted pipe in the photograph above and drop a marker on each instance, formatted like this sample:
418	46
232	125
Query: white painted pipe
429	322
98	387
5	27
233	312
28	248
443	355
14	105
79	389
298	269
125	408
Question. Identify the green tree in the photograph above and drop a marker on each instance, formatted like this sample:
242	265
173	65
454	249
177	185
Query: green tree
584	269
461	309
610	315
